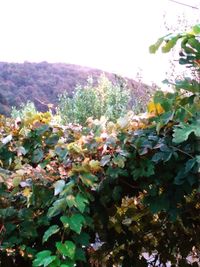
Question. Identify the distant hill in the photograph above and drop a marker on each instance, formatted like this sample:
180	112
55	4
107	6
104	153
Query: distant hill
43	82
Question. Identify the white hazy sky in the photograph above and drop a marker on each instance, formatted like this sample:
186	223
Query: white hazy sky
112	35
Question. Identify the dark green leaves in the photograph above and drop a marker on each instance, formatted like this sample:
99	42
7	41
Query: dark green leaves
75	222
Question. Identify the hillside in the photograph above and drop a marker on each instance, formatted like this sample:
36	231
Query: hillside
43	82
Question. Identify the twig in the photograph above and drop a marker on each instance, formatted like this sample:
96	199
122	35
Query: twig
180	150
194	7
132	186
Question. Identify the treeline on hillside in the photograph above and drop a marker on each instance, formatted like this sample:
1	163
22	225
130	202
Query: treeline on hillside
42	82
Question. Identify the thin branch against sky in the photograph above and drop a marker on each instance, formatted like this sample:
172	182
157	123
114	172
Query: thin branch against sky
183	4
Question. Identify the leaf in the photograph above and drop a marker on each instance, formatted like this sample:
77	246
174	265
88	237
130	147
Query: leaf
65	221
49	232
52	140
61	152
81	202
159	204
43	258
182	132
6	139
16	181
58	206
69	264
170	44
155	108
153	48
94	165
119	161
70	199
26	192
37	155
80	255
189	165
58	187
76	222
82	239
41	130
88	179
196	29
105	159
67	249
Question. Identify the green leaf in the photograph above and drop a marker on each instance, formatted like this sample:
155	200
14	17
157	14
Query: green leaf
41	130
196	29
182	132
83	239
119	161
37	155
81	202
58	187
52	140
49	232
88	179
70	199
43	258
68	264
76	222
170	44
153	48
58	206
61	152
159	203
65	221
67	249
189	165
80	255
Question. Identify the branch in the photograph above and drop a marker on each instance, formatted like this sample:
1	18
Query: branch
194	7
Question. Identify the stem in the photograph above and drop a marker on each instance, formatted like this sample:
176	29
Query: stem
132	186
185	109
180	150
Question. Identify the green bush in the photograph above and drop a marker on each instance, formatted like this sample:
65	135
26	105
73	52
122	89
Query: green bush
103	99
25	110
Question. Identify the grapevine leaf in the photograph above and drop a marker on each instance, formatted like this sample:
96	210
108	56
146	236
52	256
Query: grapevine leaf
58	187
49	232
67	249
182	132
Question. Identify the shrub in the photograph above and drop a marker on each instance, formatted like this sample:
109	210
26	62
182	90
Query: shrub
25	110
104	99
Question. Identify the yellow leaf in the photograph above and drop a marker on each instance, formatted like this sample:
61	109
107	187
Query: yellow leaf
94	165
155	108
26	192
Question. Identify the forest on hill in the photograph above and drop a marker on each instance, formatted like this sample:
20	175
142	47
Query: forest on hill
42	82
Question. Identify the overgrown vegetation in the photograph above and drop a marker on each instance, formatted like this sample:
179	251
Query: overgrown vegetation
109	193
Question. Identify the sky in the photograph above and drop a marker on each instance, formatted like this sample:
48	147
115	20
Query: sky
113	35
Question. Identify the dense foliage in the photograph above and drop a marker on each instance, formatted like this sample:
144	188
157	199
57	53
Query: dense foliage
123	193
